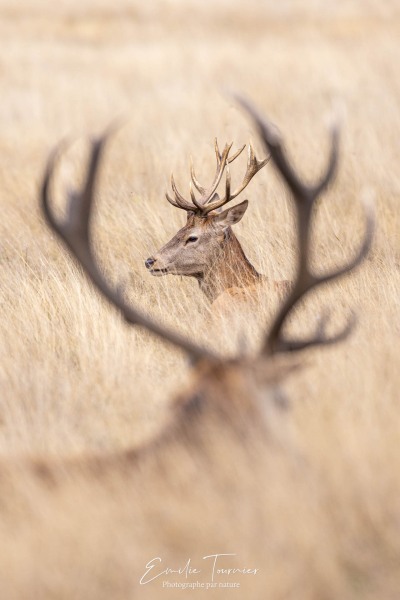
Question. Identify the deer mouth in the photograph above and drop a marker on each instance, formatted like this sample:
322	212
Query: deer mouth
158	272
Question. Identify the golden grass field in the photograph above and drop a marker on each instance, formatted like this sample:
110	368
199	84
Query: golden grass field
76	381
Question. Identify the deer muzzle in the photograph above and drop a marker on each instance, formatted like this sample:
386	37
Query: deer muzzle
150	262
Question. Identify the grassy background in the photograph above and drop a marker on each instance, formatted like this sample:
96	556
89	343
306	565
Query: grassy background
76	380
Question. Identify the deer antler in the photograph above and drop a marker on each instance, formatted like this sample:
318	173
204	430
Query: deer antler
253	166
209	200
76	234
305	197
222	161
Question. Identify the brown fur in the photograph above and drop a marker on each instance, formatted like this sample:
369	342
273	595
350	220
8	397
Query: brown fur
218	263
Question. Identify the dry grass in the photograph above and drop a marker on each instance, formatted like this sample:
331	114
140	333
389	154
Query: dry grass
75	380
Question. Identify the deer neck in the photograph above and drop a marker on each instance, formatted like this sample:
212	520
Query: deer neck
230	268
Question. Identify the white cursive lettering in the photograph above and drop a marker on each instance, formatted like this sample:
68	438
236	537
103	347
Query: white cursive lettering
186	570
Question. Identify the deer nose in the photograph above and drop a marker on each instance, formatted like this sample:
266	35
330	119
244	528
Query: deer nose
149	262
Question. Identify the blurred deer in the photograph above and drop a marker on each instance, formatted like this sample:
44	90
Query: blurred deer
206	247
227	388
224	438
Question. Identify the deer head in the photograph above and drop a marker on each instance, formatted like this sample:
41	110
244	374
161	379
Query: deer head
197	247
226	388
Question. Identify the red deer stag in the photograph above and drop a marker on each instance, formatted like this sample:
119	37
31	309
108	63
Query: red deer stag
206	247
201	486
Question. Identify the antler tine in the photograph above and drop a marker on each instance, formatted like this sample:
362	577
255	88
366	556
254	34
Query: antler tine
75	232
320	338
221	164
197	185
253	166
221	160
179	199
227	183
217	152
168	197
305	197
238	153
193	198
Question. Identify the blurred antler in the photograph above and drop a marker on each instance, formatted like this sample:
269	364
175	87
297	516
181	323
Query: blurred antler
75	232
305	197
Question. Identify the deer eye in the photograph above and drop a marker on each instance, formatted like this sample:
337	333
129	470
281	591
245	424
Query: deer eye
191	238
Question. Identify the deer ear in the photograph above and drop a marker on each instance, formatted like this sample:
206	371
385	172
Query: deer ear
231	216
